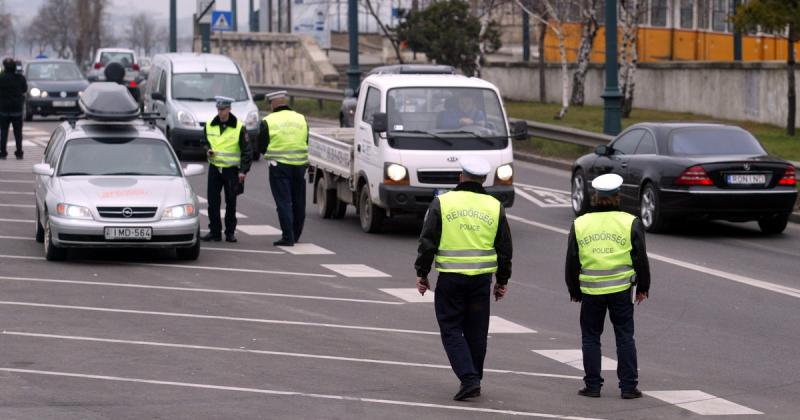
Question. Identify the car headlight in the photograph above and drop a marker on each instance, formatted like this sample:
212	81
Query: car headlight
186	119
396	172
35	92
505	172
73	212
251	122
179	212
351	111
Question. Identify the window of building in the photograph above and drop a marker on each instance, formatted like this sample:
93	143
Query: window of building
687	14
659	10
719	15
702	14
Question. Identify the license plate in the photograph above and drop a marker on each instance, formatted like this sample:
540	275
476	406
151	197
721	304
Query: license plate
749	179
439	192
64	104
128	233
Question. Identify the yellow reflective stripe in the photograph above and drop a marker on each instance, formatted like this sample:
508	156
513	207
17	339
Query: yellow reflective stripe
287	159
227	154
466	253
605	283
465	265
608	272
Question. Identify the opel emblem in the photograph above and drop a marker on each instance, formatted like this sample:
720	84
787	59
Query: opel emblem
63	94
127	212
452	159
746	166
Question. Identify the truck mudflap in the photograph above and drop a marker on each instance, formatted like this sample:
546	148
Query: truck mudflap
417	199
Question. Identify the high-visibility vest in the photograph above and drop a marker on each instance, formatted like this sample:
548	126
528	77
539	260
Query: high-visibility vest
469	227
288	137
604	248
225	145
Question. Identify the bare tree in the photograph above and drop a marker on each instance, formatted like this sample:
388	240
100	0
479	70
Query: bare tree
588	11
142	34
489	43
631	11
388	32
71	28
90	23
7	34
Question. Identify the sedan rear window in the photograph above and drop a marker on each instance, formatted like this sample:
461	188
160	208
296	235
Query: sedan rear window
124	58
114	156
714	141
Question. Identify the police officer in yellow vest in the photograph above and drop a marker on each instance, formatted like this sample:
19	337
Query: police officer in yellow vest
284	138
607	270
467	234
229	158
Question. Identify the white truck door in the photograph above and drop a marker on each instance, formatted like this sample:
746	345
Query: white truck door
367	153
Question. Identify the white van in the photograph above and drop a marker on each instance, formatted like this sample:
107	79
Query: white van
181	89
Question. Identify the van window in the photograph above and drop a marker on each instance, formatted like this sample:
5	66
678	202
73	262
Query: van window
371	105
205	86
162	83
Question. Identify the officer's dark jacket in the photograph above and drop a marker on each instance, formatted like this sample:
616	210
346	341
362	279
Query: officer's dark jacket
638	257
432	234
263	131
244	144
13	87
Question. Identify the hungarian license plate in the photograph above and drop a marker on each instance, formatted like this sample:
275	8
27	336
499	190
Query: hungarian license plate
128	233
63	104
747	179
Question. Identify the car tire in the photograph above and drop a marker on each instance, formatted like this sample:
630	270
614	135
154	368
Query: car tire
51	251
39	229
579	193
773	224
326	199
370	215
28	114
649	210
191	253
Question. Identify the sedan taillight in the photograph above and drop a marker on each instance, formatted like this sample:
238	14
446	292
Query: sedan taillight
695	175
98	66
135	67
789	177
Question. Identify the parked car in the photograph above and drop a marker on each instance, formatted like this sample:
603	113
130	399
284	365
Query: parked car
104	56
112	180
54	87
675	171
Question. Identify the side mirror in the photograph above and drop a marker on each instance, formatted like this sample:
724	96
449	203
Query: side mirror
194	169
380	122
158	96
349	93
259	97
519	130
43	169
603	150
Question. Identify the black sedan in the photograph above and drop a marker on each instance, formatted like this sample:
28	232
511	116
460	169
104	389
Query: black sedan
53	88
678	171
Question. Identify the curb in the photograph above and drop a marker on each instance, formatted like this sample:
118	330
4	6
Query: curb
794	217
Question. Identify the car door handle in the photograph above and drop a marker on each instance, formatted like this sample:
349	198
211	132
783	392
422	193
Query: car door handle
358	148
624	164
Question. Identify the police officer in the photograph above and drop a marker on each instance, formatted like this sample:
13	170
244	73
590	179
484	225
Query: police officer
13	87
284	138
229	158
607	270
467	233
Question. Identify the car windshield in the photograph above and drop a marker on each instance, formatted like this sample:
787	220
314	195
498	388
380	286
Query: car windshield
53	71
118	156
714	141
124	58
205	86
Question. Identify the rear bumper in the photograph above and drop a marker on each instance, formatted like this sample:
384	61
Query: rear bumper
71	233
726	204
417	199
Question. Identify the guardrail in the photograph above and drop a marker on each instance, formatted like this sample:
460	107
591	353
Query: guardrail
309	92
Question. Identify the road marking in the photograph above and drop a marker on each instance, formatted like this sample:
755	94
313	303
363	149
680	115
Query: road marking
499	325
519	184
11	181
355	270
291	393
574	358
197	290
410	295
217	317
777	288
28	143
544	199
701	403
265	230
306	249
16	193
202	200
25	206
17	221
204	212
248	251
22	238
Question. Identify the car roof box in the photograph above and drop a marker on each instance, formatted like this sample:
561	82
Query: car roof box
105	101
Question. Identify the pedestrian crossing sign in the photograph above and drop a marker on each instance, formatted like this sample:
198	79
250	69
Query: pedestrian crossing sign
221	21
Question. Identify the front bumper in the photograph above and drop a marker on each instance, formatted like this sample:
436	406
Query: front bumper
44	106
715	203
77	233
417	199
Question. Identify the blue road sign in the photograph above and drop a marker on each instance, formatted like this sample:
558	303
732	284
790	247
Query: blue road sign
221	21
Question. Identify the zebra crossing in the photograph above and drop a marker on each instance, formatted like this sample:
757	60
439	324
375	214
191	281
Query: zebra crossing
33	144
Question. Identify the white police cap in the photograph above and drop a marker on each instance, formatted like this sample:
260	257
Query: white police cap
475	166
607	184
223	102
277	95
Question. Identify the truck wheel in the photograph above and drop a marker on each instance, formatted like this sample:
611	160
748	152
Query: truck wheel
51	251
371	216
326	199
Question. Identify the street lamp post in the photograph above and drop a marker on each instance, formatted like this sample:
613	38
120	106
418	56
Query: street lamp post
173	26
612	98
353	73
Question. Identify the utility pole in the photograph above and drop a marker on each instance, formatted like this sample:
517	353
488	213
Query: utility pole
737	37
526	37
234	16
353	72
173	26
612	98
251	17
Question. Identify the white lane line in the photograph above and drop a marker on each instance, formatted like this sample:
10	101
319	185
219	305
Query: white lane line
499	325
306	249
28	143
21	238
254	230
246	251
701	403
519	184
355	270
277	353
204	212
574	358
11	181
202	200
17	221
410	295
24	206
197	290
216	317
16	193
293	394
777	288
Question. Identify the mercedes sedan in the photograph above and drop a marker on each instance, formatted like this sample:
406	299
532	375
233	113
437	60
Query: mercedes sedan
678	171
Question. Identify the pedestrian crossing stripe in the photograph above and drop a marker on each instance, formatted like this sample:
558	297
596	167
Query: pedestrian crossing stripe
410	295
498	325
702	403
574	358
204	212
258	230
306	249
355	270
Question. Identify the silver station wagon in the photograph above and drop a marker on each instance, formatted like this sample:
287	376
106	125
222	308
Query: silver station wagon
111	179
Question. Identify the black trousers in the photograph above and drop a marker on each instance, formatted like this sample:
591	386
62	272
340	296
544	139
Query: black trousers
288	186
462	309
16	122
593	316
220	179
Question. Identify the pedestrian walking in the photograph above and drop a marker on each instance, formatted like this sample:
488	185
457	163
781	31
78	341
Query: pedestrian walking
229	158
283	136
467	234
13	88
607	271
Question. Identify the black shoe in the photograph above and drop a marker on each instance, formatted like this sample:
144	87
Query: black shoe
588	392
468	391
230	238
3	155
211	237
283	242
18	155
632	394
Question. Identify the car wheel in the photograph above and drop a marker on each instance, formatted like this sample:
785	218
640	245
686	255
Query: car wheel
649	210
370	215
191	253
326	199
51	251
39	228
774	223
580	193
28	114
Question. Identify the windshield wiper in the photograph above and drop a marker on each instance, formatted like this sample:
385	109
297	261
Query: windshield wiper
427	133
480	138
190	99
73	173
123	173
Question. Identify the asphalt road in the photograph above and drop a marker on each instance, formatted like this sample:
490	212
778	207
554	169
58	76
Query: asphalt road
253	331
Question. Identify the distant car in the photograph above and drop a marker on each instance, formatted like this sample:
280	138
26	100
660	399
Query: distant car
675	171
54	87
350	101
126	57
112	180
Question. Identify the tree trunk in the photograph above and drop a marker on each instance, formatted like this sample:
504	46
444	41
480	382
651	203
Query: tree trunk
386	32
542	84
633	59
562	51
791	94
584	55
